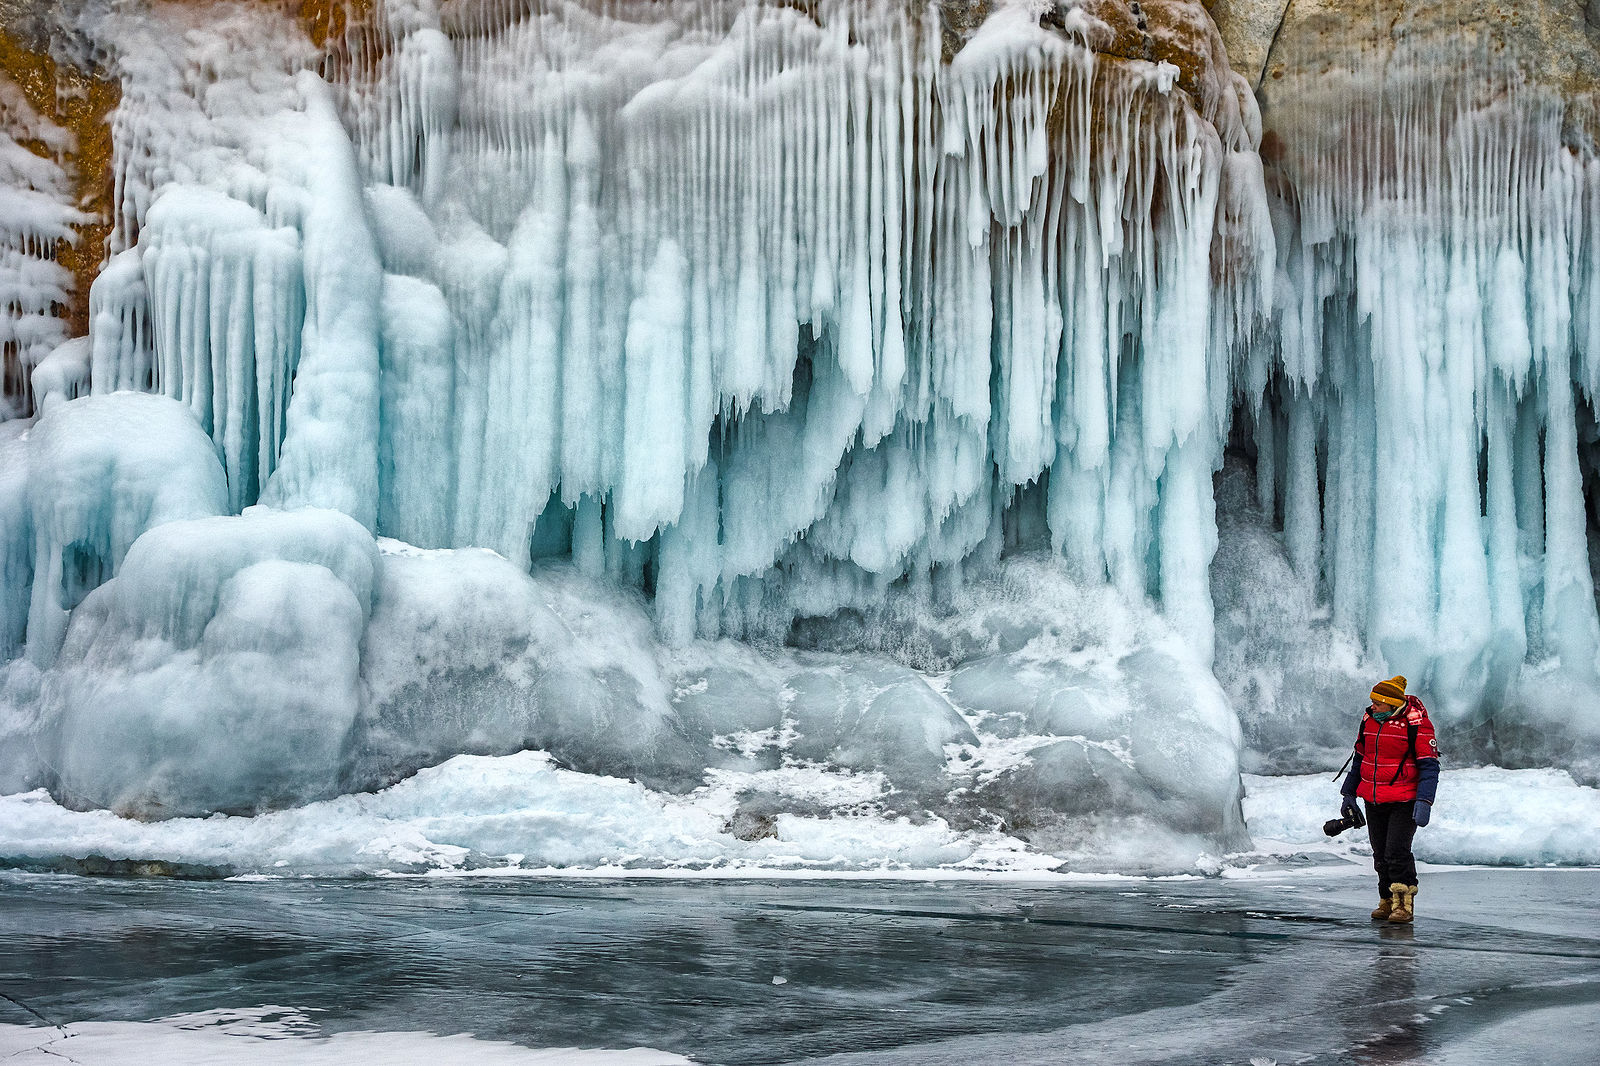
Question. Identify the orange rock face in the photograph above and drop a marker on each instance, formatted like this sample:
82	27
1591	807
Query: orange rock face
79	103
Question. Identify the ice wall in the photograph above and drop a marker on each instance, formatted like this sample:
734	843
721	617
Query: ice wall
720	300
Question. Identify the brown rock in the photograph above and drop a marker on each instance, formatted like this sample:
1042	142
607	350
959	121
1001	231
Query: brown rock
1552	44
1248	29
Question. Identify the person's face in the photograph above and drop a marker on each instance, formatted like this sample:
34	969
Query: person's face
1376	707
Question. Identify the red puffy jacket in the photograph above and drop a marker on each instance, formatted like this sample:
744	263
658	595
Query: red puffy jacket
1388	771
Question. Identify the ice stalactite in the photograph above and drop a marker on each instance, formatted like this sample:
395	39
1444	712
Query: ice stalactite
222	288
1435	315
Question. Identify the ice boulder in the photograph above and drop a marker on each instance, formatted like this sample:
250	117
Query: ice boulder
101	471
869	714
219	671
734	701
752	711
1094	731
1119	760
467	653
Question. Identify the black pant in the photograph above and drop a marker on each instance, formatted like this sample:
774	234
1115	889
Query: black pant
1390	828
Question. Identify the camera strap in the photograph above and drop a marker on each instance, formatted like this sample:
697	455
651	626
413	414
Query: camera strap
1345	767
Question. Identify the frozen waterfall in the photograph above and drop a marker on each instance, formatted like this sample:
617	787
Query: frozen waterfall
718	305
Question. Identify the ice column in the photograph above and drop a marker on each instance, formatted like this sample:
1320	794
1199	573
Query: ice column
329	456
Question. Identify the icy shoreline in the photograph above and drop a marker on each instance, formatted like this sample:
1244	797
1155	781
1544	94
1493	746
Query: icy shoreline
522	815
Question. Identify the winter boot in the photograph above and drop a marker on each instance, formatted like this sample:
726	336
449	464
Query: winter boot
1404	897
1384	909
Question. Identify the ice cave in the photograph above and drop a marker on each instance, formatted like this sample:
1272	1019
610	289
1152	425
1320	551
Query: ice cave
821	434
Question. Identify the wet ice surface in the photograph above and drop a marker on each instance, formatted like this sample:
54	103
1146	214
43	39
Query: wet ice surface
1503	967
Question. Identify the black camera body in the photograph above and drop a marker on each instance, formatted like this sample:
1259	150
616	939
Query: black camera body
1354	820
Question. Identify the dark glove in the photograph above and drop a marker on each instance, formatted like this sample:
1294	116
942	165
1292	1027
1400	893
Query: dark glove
1349	807
1420	811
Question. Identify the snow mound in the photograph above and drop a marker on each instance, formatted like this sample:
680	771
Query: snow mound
518	813
1484	816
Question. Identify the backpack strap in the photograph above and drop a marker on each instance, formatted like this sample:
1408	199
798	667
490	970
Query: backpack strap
1411	752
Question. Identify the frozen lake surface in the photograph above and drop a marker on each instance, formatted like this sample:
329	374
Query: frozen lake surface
1503	967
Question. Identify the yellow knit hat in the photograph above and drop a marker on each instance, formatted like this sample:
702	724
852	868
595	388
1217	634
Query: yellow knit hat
1392	691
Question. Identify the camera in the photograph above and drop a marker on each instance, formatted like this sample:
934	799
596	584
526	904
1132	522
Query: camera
1334	826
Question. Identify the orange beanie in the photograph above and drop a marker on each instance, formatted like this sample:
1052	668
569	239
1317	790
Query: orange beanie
1392	691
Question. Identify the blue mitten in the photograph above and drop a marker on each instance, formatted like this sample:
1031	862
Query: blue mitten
1420	812
1348	807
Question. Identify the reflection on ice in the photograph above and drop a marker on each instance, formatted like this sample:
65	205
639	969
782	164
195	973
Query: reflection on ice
280	1036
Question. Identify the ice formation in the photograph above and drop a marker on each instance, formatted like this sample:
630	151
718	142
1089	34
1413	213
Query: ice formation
1422	418
700	301
36	213
810	371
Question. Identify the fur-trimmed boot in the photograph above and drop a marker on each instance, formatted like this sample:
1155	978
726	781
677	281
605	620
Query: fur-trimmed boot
1402	908
1385	908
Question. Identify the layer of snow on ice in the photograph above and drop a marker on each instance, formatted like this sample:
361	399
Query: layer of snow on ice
284	1036
522	812
1484	816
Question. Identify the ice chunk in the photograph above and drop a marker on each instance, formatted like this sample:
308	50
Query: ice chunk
467	653
101	471
178	569
1146	739
872	715
220	670
63	374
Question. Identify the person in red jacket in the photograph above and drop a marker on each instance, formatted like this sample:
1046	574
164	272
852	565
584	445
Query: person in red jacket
1395	770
